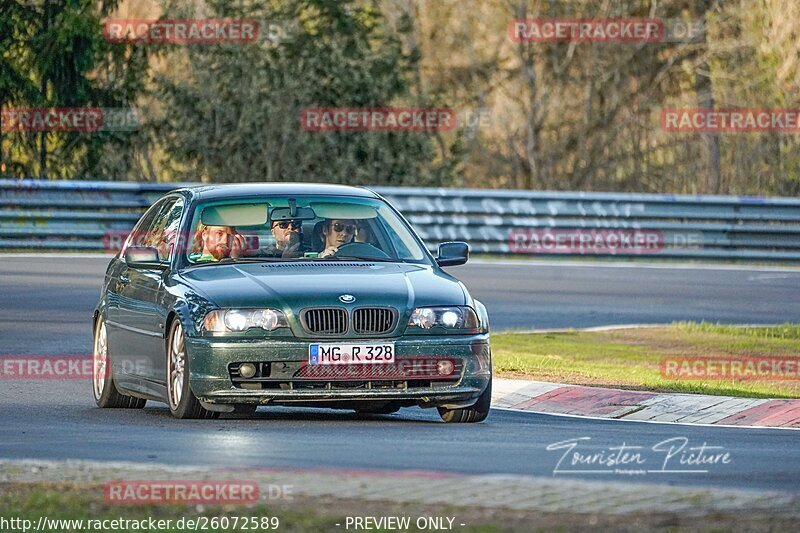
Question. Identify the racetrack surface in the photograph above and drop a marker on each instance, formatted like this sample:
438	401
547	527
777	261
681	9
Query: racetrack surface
46	309
523	295
55	297
55	421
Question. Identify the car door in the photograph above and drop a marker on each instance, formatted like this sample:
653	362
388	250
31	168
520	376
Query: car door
170	242
121	339
142	313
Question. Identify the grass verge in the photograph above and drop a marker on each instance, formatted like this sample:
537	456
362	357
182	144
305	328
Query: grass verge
631	358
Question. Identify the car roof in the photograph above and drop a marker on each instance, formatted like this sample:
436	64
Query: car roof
239	190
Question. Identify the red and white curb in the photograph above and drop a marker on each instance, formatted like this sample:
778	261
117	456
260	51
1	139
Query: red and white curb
556	398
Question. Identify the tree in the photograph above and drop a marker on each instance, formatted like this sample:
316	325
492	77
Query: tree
705	100
231	112
54	55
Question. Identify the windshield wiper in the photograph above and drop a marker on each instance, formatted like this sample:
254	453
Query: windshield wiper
368	259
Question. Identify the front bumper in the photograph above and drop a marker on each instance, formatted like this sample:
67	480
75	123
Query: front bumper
210	359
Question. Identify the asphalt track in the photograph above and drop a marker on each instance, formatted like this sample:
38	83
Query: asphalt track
47	301
54	421
46	305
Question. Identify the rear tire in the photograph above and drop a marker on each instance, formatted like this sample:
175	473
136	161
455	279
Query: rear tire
105	393
469	415
182	402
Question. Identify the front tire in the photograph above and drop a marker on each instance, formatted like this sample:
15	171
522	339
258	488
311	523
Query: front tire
182	402
474	413
105	393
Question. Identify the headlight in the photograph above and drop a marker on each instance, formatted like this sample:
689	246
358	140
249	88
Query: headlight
444	317
223	320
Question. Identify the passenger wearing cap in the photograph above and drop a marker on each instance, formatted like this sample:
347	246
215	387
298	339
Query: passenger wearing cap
288	239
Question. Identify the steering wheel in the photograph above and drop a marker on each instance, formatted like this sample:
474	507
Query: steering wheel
362	250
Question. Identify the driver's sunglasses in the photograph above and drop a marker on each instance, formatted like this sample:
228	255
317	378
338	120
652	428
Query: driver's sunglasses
285	224
348	228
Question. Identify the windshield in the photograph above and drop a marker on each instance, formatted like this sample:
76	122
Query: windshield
300	228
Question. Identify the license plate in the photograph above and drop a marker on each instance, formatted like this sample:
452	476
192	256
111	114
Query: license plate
350	354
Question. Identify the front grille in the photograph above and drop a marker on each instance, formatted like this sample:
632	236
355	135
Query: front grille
420	372
325	320
360	385
373	320
403	369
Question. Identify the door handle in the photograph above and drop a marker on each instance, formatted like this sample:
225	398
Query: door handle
124	279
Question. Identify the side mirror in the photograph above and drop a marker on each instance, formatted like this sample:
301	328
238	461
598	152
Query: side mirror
452	253
144	257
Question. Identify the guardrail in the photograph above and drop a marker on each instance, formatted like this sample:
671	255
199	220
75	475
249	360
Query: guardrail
77	215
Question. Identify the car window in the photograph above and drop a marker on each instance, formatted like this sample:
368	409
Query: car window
159	228
139	234
405	245
165	229
369	228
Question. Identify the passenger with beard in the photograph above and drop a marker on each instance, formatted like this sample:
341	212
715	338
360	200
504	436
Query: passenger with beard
212	243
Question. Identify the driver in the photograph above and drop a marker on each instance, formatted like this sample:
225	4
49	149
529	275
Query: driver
336	233
212	243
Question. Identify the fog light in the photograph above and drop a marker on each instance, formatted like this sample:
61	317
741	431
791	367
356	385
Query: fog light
247	370
445	367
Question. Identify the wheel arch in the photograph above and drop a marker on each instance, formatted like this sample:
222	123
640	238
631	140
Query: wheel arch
172	315
180	311
189	306
98	311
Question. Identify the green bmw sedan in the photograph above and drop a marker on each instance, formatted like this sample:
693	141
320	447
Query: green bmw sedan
227	297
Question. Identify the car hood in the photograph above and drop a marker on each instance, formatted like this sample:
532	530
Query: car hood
298	285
